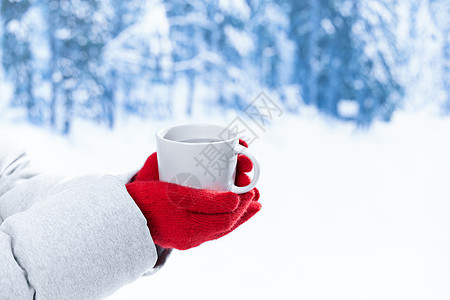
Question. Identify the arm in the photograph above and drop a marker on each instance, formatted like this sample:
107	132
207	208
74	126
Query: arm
84	242
13	282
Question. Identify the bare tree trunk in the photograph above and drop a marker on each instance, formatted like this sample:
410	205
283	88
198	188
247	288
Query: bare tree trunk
313	59
68	105
190	99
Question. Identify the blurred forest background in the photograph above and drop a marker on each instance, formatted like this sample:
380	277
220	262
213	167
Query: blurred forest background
354	60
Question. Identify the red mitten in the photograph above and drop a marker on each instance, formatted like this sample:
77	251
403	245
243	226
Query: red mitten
182	217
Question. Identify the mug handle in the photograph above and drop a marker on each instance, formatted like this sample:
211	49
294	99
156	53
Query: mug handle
239	149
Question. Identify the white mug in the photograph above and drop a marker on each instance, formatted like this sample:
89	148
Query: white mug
195	155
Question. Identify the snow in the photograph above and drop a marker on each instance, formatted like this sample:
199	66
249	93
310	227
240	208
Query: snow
426	57
150	32
237	8
328	26
347	213
348	108
240	40
63	34
13	26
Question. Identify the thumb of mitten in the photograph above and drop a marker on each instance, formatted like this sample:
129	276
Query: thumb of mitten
149	171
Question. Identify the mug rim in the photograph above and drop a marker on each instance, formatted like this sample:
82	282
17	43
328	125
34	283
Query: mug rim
160	134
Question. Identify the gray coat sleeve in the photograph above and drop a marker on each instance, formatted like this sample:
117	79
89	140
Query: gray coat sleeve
76	239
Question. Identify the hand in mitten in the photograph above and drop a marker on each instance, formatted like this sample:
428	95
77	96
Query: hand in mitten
182	217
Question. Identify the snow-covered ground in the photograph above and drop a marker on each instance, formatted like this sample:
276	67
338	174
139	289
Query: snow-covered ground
347	213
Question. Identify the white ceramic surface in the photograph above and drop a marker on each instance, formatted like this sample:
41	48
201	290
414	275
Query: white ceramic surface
206	165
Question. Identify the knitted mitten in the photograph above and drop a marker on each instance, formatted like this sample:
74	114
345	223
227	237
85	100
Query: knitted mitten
182	217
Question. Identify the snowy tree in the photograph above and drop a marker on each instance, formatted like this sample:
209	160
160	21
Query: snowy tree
187	22
76	37
122	14
117	57
373	33
78	33
218	60
273	49
341	55
140	55
440	10
17	55
422	51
